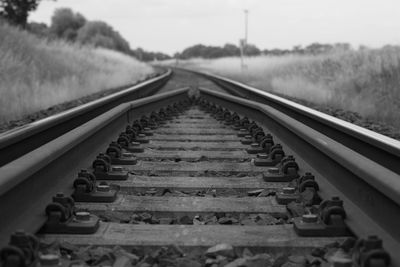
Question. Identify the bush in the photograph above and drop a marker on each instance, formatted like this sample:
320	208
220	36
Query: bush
36	74
365	81
65	23
99	33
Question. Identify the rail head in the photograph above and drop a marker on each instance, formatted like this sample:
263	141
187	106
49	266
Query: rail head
383	141
371	191
373	173
375	146
49	128
18	170
30	181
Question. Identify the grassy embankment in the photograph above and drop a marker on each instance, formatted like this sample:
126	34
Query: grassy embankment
36	74
366	82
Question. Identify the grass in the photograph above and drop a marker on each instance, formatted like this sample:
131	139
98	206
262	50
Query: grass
36	74
366	82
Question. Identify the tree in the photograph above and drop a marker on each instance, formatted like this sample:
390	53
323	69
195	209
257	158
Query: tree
231	50
39	29
65	23
297	49
317	48
16	11
143	55
228	50
251	50
99	33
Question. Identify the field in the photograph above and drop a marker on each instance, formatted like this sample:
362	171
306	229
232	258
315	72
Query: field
36	74
366	82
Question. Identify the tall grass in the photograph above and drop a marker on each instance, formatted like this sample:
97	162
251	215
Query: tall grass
36	74
366	82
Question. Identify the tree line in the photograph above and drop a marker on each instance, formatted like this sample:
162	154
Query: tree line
74	27
231	50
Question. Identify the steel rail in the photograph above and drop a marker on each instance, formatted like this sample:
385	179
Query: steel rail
371	191
375	146
28	183
18	142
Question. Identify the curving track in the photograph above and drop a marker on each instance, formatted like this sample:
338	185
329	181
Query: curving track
196	185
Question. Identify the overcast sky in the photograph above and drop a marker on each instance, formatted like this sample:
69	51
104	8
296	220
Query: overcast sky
171	25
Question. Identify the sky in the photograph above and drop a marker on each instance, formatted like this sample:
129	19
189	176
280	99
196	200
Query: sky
170	26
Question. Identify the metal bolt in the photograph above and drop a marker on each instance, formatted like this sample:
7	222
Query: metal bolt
309	218
49	260
337	201
127	154
82	216
18	238
273	170
342	262
117	169
262	155
289	190
19	232
103	188
341	259
373	242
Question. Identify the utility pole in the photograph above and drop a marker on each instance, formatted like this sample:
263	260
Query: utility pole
246	17
243	42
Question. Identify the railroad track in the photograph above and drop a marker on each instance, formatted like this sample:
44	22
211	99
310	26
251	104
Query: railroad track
201	178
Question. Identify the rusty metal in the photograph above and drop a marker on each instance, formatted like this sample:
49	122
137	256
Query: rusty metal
22	250
103	170
294	190
234	120
48	169
285	171
257	133
330	217
365	180
63	219
20	141
243	132
247	140
87	190
255	148
328	221
126	141
118	156
136	133
272	158
374	146
369	252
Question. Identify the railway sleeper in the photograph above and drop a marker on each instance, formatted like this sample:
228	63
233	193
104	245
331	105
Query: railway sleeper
25	249
198	221
285	160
